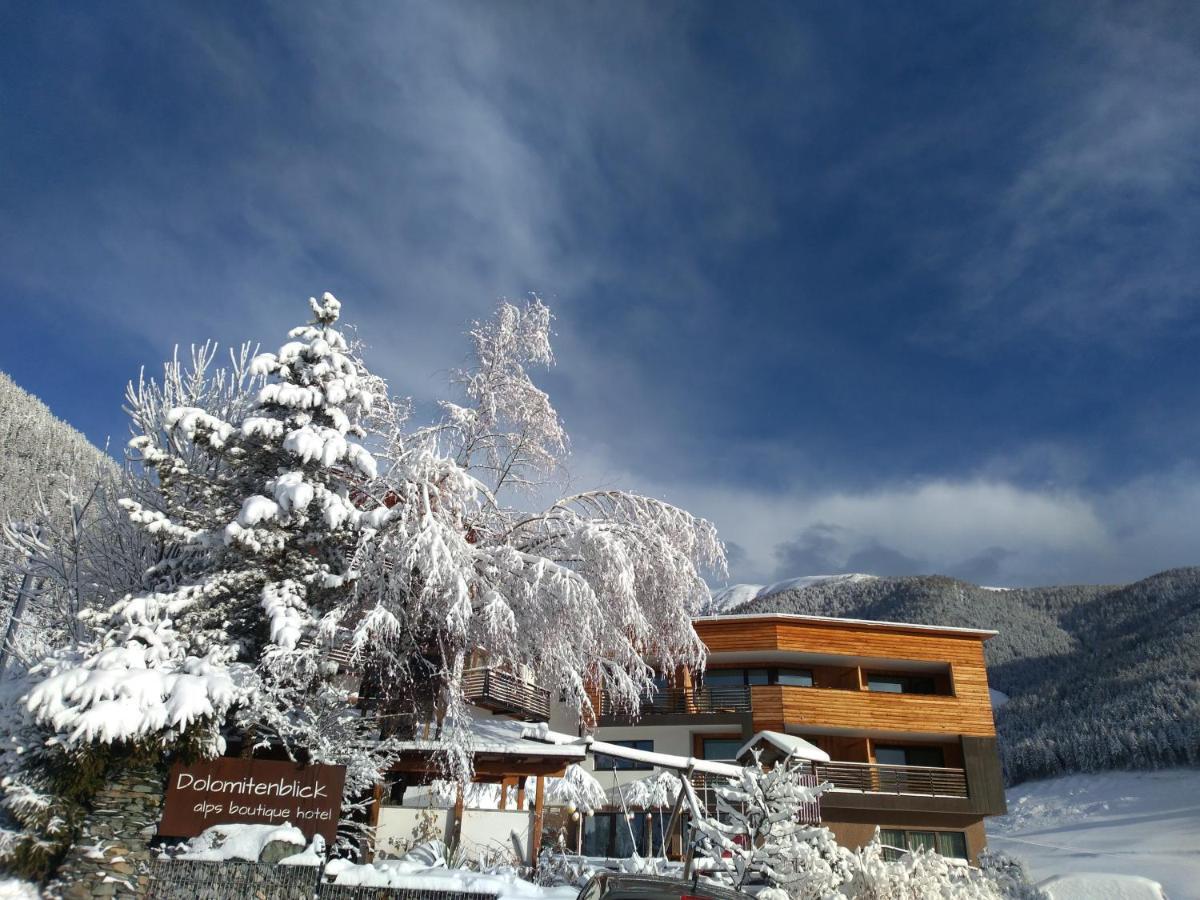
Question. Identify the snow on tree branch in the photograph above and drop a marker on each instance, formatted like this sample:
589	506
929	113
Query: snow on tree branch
296	515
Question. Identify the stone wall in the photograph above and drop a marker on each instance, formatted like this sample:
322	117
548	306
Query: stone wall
112	856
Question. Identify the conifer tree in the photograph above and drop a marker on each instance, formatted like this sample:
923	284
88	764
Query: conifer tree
259	510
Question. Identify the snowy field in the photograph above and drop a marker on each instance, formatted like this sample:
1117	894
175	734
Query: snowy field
1142	825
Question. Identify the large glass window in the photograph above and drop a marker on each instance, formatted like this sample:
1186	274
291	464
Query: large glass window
605	763
896	842
901	684
720	748
795	677
909	756
724	677
610	834
743	677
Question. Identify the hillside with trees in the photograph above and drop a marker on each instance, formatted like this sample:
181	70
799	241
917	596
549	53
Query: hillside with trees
1098	677
41	452
49	474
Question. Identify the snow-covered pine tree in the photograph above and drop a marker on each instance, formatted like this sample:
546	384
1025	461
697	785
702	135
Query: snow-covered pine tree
255	506
83	563
266	500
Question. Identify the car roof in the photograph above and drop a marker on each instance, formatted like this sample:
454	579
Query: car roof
656	884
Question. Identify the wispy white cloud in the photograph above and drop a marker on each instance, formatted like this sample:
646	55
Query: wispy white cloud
1092	237
982	528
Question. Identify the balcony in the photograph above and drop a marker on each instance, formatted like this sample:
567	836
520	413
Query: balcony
676	702
706	787
871	778
506	693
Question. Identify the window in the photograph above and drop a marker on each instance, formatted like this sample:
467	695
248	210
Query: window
896	842
952	844
795	677
902	684
909	756
605	763
719	678
720	748
724	677
610	834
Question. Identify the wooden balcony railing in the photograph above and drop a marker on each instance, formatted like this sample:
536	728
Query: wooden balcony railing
504	692
701	701
870	778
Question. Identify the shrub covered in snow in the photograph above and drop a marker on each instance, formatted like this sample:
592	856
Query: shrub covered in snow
755	836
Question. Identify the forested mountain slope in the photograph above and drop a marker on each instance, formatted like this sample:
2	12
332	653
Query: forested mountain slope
40	455
38	450
1099	677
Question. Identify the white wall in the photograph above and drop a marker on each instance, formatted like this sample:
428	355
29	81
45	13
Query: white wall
400	827
563	718
490	833
673	739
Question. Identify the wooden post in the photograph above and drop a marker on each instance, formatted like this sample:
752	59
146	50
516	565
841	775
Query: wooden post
456	825
373	817
521	792
675	811
535	840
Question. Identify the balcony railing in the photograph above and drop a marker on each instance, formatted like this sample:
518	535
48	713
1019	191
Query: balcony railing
870	778
705	786
504	692
701	701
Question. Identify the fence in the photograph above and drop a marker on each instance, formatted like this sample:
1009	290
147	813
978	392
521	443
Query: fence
231	880
192	880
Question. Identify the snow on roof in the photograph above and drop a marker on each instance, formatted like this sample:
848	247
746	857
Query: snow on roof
985	633
788	744
664	760
509	738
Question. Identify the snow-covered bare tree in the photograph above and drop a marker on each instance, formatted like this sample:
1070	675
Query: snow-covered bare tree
591	592
756	833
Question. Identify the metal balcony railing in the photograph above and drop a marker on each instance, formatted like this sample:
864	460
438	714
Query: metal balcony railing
700	701
870	778
705	786
504	692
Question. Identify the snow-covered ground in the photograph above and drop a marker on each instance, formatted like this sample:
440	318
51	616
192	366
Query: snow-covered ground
12	889
1144	826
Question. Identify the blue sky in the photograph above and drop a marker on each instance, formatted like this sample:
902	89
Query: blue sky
890	288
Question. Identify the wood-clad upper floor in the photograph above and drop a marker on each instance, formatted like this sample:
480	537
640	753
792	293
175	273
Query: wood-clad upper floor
843	657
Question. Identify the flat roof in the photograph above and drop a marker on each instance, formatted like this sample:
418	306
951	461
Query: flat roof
982	633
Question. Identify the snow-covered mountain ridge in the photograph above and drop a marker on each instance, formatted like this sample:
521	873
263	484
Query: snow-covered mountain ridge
729	598
1099	676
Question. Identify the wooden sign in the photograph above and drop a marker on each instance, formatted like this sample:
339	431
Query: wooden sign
252	791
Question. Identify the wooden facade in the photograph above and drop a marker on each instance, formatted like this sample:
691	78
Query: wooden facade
949	715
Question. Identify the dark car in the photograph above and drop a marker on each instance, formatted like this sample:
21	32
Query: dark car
615	886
